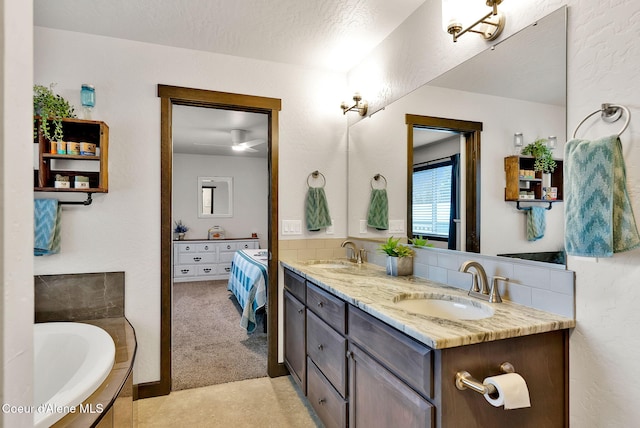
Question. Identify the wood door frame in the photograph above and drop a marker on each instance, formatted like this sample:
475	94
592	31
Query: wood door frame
174	95
471	131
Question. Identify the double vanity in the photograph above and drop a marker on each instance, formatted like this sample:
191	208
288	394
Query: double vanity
368	349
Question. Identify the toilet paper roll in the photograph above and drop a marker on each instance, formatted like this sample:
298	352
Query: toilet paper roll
511	389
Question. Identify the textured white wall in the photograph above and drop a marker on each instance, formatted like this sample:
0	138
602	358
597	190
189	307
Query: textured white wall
16	212
121	230
250	194
603	66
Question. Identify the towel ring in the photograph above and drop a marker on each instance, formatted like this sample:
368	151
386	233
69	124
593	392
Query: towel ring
315	175
378	177
609	113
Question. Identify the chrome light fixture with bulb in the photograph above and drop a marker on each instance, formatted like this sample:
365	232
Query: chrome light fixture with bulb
360	105
458	13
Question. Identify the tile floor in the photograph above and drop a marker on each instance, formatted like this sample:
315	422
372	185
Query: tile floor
263	402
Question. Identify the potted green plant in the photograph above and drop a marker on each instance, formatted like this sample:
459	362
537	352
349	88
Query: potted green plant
420	242
51	108
399	257
543	157
180	229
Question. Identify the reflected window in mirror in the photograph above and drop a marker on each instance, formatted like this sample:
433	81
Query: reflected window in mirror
436	189
215	197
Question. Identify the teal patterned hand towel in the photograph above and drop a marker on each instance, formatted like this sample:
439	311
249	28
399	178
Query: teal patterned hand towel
46	226
378	215
599	218
317	209
536	223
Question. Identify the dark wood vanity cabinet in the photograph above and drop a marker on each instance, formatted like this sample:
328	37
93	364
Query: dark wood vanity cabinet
361	372
295	328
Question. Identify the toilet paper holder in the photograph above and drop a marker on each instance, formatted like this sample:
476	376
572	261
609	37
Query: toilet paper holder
464	380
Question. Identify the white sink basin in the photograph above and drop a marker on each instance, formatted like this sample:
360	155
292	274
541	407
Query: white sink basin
443	306
330	264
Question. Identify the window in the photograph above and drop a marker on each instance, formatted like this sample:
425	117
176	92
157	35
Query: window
432	200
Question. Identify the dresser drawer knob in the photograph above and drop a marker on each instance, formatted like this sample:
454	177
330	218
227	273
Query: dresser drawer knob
187	248
206	247
184	270
228	269
207	270
228	247
197	259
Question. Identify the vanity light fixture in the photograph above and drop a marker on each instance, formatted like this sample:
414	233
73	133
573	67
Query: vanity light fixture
456	14
360	105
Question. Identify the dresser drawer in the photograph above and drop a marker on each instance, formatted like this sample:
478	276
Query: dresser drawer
204	270
205	248
247	245
184	271
328	404
328	307
296	284
328	349
227	257
224	268
409	360
186	248
196	258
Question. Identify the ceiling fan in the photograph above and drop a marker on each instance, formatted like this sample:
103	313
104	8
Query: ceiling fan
238	142
238	138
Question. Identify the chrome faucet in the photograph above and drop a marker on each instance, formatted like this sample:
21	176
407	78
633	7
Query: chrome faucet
356	255
482	289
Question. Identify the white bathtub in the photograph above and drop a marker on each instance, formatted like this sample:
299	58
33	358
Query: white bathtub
71	360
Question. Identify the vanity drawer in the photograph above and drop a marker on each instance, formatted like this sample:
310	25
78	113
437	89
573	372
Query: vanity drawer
184	271
328	350
197	258
331	309
409	360
204	270
295	284
328	404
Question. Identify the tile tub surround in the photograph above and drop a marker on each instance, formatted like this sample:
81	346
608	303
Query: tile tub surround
369	288
545	286
82	296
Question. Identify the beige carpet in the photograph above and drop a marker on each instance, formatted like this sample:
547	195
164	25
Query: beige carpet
209	346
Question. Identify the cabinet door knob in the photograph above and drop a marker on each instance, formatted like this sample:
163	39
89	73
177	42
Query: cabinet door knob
300	311
320	304
349	354
320	347
322	401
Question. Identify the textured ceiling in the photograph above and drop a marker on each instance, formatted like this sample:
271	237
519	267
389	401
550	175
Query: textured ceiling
329	34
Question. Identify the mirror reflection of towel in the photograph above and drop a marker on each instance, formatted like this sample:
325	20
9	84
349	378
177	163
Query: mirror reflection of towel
46	222
536	223
378	215
317	209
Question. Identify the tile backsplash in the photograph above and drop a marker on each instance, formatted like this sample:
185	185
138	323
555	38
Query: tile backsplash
81	296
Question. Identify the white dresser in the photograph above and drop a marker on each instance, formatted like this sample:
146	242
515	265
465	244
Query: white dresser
206	260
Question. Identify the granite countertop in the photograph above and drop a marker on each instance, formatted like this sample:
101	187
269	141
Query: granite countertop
369	288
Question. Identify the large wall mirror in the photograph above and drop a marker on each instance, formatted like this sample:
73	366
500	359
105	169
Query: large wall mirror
515	85
215	197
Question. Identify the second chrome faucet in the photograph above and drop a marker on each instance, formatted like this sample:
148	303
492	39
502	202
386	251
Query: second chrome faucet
482	289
